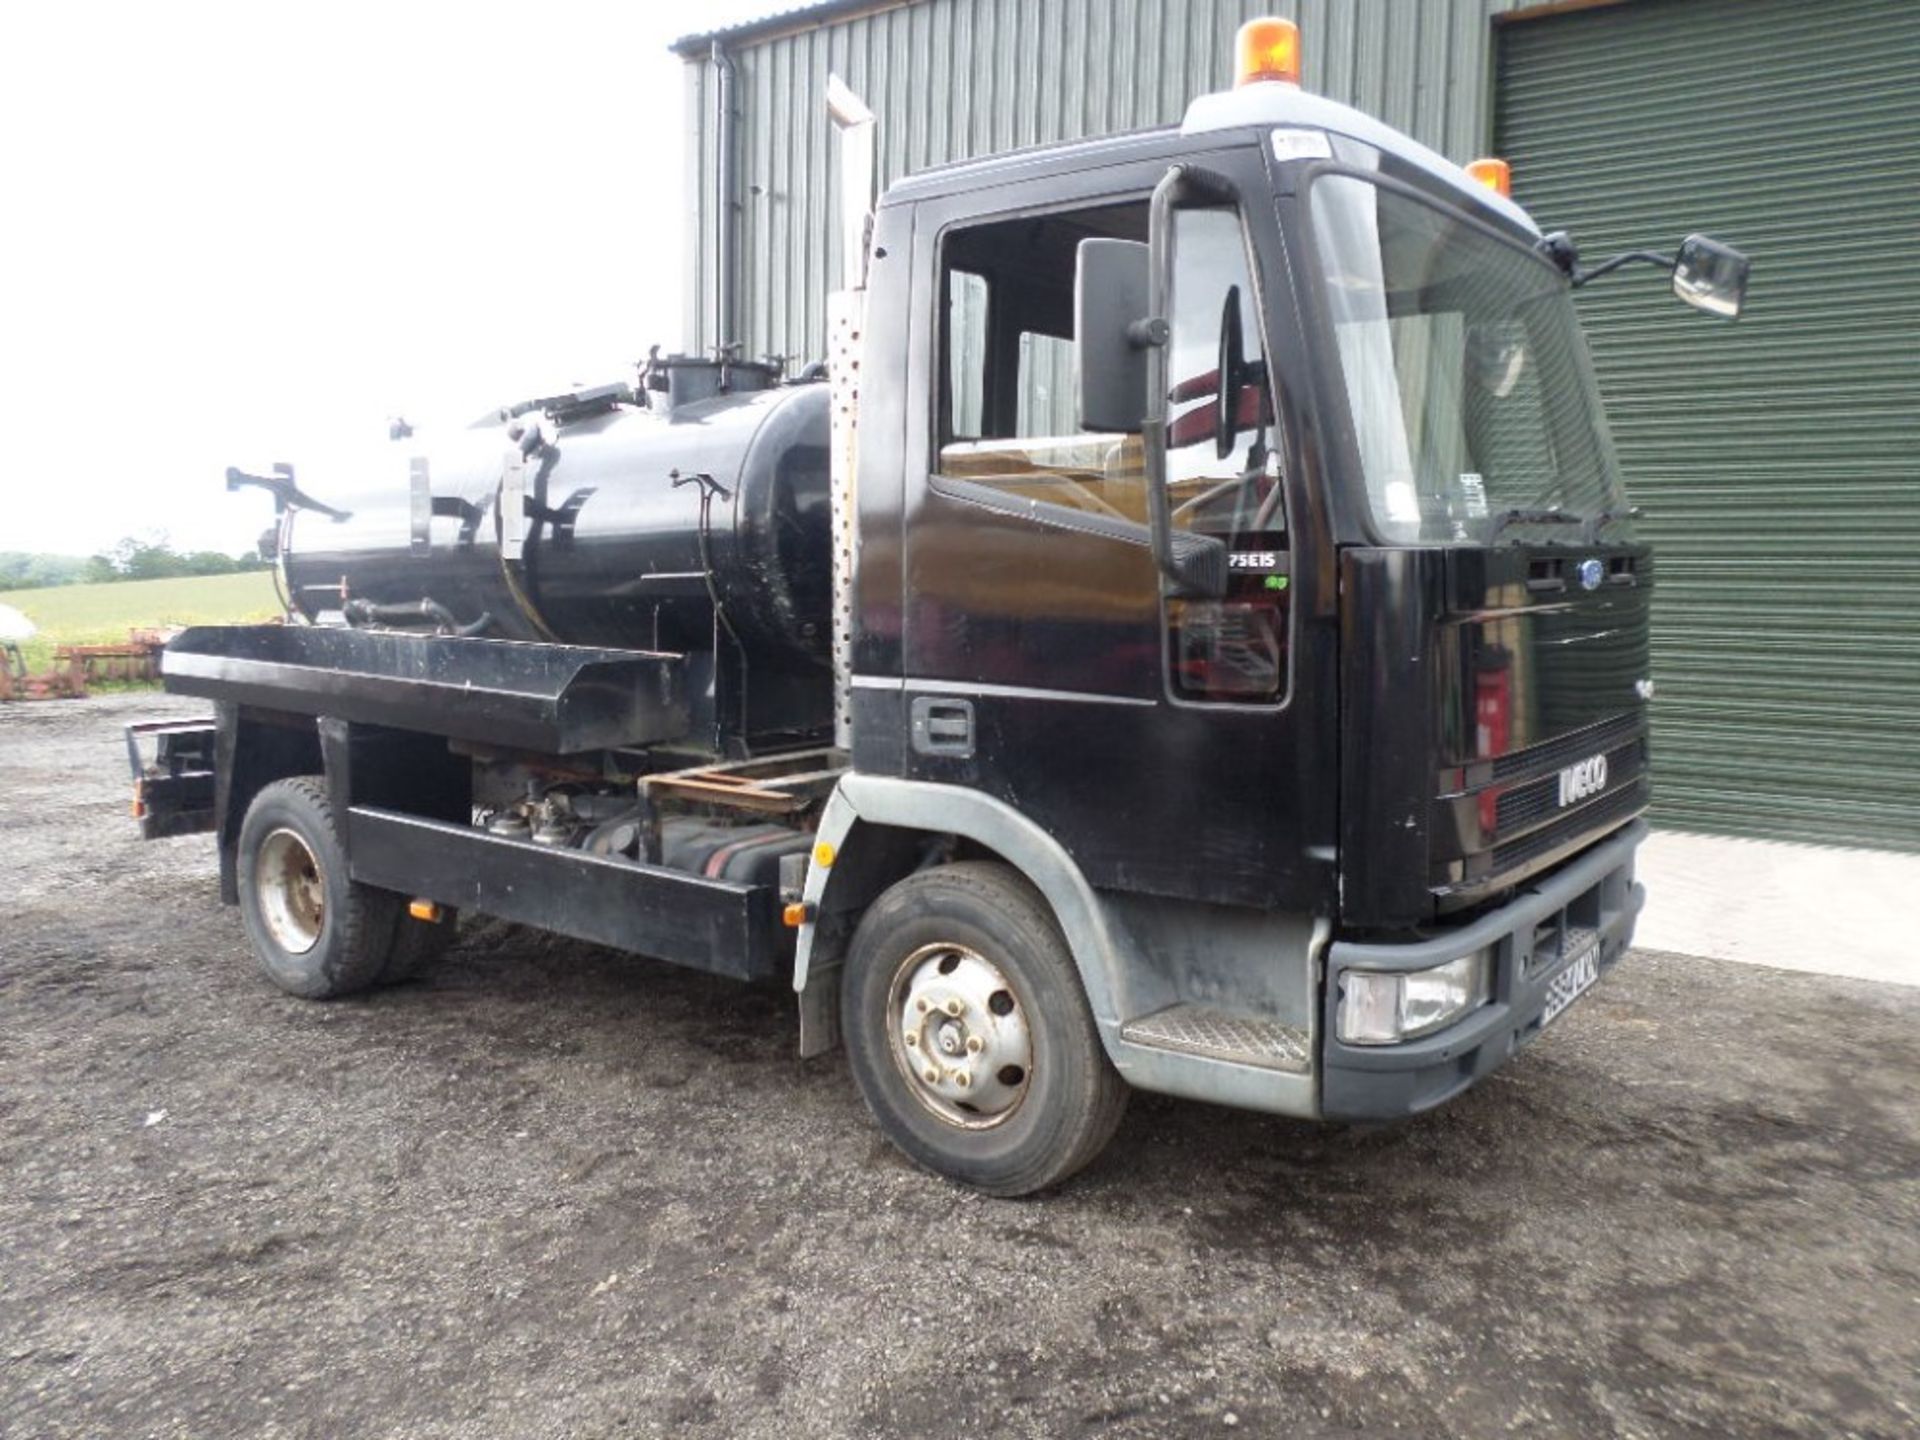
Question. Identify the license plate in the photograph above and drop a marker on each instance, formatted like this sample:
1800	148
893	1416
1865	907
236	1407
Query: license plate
1571	982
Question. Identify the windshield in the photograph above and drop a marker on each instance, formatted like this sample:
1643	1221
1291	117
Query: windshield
1473	401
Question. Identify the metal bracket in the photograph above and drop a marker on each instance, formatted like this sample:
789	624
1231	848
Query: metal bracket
513	507
420	504
286	494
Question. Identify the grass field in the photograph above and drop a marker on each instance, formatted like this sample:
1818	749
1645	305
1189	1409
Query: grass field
101	614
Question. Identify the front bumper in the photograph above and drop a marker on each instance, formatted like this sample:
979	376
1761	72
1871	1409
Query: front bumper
1592	899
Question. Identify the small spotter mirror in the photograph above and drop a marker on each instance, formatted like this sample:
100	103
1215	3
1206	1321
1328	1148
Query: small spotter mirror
1710	276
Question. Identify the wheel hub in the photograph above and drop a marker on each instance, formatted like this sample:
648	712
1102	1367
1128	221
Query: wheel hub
959	1036
291	890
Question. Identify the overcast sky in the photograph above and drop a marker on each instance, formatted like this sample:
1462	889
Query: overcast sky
244	232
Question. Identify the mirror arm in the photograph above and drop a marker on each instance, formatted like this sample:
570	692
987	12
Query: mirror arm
1153	427
1726	268
1181	183
1628	257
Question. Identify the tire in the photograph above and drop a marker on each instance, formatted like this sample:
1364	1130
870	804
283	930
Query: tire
417	944
316	933
977	934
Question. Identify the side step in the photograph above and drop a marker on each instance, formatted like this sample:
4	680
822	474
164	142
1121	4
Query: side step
1221	1035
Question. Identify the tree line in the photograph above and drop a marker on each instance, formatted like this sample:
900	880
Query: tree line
134	558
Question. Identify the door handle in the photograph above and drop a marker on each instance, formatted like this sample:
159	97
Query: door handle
941	726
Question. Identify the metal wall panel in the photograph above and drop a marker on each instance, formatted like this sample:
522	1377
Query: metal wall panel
1778	457
950	79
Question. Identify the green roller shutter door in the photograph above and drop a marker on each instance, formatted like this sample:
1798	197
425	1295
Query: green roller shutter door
1777	457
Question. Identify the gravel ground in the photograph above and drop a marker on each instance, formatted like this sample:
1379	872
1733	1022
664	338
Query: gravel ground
553	1191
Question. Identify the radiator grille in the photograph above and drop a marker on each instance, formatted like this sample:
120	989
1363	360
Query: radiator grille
1538	800
1565	749
1602	814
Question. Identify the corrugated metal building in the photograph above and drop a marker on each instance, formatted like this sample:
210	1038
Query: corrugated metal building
1778	459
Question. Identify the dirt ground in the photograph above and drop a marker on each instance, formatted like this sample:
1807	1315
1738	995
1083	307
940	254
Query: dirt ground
553	1191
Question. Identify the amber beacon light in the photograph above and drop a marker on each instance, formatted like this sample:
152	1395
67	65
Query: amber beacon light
1267	49
1496	175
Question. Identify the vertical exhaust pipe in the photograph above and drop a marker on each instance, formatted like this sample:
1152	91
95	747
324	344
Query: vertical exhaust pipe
856	125
723	223
846	318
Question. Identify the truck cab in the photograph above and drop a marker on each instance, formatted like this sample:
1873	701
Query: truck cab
1244	521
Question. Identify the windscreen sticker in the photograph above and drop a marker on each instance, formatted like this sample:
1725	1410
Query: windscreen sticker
1473	494
1301	145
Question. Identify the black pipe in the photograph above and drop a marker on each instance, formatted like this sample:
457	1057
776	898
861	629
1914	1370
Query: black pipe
365	613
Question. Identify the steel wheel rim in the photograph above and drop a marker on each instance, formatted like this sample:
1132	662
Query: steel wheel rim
958	1033
292	891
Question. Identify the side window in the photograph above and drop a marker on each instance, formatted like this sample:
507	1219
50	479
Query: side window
1008	403
966	350
1223	475
1045	385
1221	467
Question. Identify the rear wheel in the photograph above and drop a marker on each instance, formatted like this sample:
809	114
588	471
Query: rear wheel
316	932
969	1034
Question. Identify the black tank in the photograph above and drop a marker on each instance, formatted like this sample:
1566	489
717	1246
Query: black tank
613	552
699	528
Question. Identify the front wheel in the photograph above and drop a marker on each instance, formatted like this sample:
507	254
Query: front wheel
969	1033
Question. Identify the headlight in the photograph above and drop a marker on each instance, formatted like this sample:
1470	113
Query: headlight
1379	1007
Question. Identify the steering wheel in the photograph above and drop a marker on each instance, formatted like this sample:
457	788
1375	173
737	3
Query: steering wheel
1231	373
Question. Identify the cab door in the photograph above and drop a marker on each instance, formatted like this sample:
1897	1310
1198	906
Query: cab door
1172	745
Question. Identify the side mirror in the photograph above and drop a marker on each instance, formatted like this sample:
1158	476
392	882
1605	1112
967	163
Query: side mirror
1710	276
1110	295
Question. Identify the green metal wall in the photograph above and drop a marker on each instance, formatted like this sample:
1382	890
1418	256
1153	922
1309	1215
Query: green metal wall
955	78
1778	457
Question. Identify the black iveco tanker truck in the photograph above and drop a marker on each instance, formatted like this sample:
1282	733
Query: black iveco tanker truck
1188	635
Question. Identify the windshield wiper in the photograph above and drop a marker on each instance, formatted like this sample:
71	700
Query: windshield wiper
1554	516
